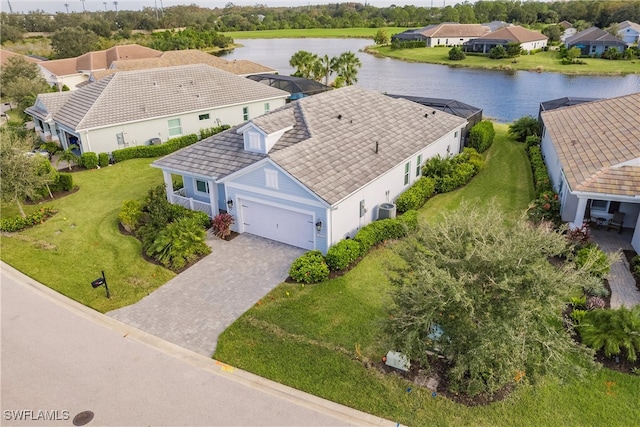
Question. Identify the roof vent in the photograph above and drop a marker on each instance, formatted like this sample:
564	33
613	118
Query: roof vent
573	142
433	112
427	115
339	116
377	147
155	83
192	82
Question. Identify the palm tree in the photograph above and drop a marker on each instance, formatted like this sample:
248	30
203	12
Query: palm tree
304	62
69	156
347	65
328	67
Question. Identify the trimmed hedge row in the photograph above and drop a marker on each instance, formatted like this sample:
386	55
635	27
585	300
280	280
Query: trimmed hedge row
541	180
103	160
481	136
89	160
19	223
312	267
416	196
450	173
147	151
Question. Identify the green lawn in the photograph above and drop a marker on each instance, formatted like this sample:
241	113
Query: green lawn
367	33
542	61
69	250
323	338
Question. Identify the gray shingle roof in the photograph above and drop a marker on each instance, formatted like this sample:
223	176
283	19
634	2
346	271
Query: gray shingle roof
143	94
331	148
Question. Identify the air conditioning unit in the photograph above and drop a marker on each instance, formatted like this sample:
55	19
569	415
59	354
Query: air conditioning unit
155	141
386	210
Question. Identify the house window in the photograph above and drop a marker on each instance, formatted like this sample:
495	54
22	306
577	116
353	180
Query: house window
245	113
455	135
175	129
202	186
419	165
271	178
203	116
604	206
267	107
407	168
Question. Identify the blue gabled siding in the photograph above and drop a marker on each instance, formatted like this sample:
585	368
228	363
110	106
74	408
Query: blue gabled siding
286	185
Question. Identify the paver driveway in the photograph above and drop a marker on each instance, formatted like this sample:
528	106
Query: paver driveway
193	309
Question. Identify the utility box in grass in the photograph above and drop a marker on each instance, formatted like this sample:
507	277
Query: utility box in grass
398	361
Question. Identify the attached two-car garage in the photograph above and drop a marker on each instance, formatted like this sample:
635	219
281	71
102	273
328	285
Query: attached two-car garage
277	223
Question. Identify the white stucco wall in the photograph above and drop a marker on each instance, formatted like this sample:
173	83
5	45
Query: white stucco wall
448	41
138	133
529	46
635	241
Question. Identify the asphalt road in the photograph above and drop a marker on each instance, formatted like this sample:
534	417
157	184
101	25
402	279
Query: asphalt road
59	358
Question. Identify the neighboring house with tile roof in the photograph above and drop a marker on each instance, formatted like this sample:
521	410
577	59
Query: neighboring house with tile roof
594	41
6	54
316	170
46	105
72	72
592	152
529	40
445	34
629	32
134	107
172	58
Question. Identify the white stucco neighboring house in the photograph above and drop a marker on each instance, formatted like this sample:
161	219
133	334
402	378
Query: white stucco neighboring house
132	108
592	152
316	170
529	40
629	32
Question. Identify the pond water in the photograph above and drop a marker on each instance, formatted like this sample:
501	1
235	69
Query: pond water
504	96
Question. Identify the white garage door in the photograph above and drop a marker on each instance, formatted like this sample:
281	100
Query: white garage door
293	228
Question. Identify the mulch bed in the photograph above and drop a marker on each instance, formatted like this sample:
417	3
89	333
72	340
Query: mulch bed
57	195
619	365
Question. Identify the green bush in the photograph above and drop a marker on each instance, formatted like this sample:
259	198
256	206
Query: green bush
407	44
416	195
147	151
616	332
450	173
531	141
409	219
62	182
523	127
309	268
456	54
103	160
207	132
18	223
545	208
89	160
51	148
481	136
343	254
130	214
179	244
379	231
594	260
541	181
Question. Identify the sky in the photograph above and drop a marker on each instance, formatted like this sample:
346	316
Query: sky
52	6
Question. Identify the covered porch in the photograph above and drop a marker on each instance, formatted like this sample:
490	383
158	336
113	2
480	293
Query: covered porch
195	193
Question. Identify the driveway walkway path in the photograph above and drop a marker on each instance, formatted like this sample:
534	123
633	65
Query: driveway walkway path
623	285
193	308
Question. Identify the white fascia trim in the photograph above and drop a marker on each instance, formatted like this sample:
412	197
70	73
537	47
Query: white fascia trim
605	196
187	173
271	194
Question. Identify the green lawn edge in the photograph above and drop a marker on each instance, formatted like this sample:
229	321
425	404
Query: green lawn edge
323	339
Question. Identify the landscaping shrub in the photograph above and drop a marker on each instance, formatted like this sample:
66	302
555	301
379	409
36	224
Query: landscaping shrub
179	243
532	140
545	208
222	225
51	148
594	260
103	160
64	182
207	132
409	219
416	195
379	231
481	136
450	173
579	237
343	254
146	151
18	223
408	44
613	331
89	160
456	54
130	214
594	303
310	267
523	127
498	52
541	181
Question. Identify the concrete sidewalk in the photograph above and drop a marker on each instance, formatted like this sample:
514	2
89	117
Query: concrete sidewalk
62	357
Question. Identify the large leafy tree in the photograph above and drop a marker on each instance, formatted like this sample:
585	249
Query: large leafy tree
483	292
68	42
23	91
21	174
15	68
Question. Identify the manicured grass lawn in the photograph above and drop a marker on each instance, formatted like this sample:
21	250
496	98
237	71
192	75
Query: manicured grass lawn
312	33
69	250
542	61
324	338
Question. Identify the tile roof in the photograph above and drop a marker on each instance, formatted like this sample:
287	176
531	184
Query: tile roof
331	148
514	33
593	35
6	54
598	144
143	94
192	56
456	30
48	104
628	24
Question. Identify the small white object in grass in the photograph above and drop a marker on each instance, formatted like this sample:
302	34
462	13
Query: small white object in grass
398	361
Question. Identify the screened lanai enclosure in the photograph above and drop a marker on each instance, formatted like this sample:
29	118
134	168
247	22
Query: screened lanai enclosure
298	87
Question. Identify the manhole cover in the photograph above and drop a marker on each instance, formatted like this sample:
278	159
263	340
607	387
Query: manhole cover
83	418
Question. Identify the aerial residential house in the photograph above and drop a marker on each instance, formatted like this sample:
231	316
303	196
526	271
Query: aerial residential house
72	72
529	40
629	32
594	41
175	58
496	25
132	108
315	171
6	54
568	31
446	34
592	152
298	87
